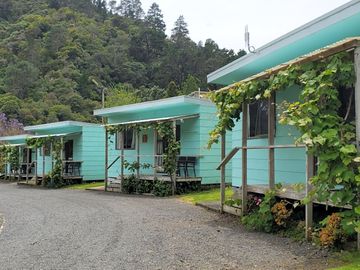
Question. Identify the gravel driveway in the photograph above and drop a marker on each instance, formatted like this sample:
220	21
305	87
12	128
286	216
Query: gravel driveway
66	229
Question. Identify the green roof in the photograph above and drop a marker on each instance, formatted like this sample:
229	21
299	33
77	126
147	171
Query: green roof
59	127
334	26
167	104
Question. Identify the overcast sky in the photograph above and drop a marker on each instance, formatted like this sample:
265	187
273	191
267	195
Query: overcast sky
224	20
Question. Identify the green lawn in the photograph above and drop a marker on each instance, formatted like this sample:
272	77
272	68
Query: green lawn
206	196
85	186
351	261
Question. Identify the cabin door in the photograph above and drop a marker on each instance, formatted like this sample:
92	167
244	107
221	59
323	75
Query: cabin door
24	156
69	150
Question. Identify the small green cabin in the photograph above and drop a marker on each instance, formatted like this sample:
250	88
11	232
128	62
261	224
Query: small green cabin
289	162
82	154
192	119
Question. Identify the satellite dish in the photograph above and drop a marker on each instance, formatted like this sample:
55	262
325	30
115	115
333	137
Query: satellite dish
250	48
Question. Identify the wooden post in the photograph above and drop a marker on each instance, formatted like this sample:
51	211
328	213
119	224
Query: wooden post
271	135
19	165
27	164
244	157
61	156
106	160
222	172
173	176
155	152
309	206
138	154
52	160
357	111
36	166
43	151
122	160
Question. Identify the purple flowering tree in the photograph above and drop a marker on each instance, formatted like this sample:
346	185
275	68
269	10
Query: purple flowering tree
10	127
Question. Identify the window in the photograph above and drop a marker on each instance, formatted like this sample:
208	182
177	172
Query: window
258	118
347	99
45	149
125	140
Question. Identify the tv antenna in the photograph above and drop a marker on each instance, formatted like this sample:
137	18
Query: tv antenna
250	48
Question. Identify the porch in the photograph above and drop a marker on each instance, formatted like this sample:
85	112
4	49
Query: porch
141	151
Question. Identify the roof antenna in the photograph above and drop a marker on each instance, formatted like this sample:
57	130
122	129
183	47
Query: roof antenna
250	48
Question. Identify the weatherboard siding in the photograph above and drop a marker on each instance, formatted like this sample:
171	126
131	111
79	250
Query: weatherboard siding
91	149
289	163
193	141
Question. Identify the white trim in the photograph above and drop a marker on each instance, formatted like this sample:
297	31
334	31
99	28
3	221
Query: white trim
334	16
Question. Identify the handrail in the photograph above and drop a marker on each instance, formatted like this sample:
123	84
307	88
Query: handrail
113	162
228	157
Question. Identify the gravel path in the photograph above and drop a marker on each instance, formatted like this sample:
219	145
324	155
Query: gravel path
65	229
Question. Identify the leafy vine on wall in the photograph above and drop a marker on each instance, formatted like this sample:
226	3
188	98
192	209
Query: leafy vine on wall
55	175
326	134
165	131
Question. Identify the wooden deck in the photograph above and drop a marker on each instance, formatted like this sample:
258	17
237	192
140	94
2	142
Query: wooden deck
290	192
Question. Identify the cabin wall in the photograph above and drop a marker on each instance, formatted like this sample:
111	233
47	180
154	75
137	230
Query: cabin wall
91	149
211	158
289	163
193	141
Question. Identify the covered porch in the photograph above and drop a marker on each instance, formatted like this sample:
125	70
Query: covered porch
139	149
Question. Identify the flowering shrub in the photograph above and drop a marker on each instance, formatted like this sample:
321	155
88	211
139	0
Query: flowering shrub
281	213
331	234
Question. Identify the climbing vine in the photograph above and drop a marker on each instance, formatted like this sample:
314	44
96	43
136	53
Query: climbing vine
165	131
326	134
55	175
9	155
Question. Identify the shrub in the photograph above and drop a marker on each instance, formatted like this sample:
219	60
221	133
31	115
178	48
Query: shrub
129	184
162	189
261	219
144	186
331	235
280	213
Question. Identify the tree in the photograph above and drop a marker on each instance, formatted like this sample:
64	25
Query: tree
120	95
155	18
180	30
6	9
172	89
191	84
131	9
10	127
20	77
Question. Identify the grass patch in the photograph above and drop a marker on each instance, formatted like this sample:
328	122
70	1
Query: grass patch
85	186
351	261
206	196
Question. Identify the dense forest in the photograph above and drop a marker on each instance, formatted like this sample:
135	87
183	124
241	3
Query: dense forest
56	56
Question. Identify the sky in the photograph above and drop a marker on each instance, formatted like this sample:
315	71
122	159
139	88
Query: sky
224	20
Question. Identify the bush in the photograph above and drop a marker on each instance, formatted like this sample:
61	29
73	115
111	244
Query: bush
331	235
144	186
162	189
281	213
261	219
129	184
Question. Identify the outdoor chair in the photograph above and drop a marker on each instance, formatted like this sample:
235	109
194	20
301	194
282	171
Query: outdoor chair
190	163
181	164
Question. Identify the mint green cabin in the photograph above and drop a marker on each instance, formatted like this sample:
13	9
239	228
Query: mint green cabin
289	163
192	118
82	154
